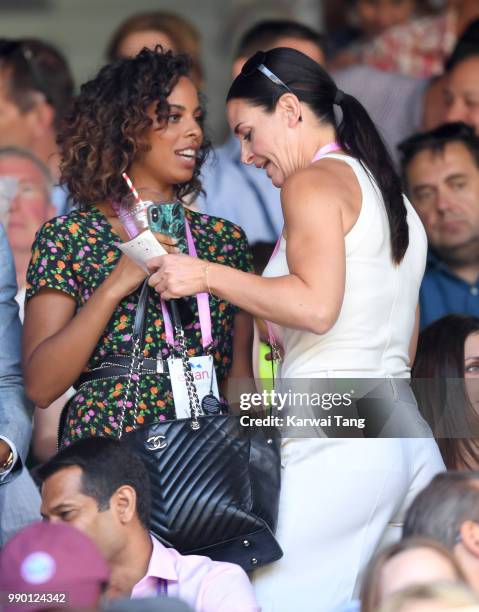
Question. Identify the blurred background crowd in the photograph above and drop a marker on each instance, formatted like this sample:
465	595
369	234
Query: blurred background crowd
414	65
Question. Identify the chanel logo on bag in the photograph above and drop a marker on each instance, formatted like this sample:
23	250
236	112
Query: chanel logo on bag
156	443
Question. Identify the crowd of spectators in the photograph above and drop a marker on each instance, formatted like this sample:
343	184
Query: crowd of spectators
415	69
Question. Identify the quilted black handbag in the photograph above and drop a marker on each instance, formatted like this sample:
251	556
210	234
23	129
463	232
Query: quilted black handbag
215	484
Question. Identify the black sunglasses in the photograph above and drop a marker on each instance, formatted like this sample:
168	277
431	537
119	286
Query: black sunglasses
15	50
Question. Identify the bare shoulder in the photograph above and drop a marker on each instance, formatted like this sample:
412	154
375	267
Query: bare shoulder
325	182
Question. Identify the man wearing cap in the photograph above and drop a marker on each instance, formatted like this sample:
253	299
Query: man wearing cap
55	564
101	487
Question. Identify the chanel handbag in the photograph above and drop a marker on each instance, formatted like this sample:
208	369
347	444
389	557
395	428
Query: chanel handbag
215	484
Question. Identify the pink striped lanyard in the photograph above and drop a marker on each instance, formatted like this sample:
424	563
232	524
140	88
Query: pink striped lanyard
329	148
201	299
162	587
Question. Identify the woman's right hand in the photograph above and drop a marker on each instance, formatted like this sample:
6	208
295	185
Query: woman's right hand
125	278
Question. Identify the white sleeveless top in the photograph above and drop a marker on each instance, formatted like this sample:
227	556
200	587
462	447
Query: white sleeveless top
372	334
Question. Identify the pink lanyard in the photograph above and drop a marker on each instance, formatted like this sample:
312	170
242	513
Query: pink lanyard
329	148
201	299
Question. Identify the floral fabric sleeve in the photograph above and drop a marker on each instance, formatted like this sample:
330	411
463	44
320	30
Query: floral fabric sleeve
51	265
243	257
243	253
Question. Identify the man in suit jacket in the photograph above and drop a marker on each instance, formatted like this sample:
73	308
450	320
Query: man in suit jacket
19	498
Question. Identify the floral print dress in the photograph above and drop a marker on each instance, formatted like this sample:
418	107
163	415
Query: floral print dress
74	254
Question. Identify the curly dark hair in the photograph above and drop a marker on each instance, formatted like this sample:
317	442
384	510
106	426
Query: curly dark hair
102	135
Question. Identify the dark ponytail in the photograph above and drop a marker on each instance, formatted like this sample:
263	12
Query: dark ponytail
356	132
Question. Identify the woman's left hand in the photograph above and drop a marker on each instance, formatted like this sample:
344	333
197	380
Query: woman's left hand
175	276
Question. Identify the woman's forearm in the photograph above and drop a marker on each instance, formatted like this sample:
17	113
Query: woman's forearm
285	300
55	364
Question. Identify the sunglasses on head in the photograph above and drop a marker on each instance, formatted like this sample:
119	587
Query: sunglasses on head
256	62
17	50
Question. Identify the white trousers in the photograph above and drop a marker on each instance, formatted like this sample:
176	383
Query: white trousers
340	498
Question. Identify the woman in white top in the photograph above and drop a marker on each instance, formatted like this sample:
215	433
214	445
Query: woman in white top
342	291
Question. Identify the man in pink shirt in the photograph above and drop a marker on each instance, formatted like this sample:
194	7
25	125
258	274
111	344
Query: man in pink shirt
103	489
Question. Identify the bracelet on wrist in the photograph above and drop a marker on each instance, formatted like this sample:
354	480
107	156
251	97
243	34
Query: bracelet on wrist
207	266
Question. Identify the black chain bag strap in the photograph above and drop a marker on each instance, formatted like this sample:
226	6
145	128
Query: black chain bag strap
215	484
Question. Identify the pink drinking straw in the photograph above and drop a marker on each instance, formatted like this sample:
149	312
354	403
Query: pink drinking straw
132	188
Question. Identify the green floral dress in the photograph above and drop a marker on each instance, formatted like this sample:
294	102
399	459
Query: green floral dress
74	254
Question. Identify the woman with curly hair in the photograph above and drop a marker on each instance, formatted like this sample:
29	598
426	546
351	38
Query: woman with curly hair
141	116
